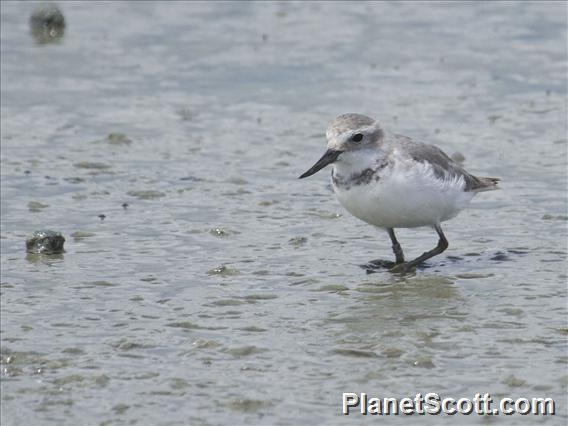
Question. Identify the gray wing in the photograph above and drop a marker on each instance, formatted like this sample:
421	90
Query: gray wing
443	166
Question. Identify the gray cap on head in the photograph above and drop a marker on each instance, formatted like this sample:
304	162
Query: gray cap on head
351	121
351	131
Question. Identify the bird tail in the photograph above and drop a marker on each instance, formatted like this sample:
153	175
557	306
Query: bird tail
486	184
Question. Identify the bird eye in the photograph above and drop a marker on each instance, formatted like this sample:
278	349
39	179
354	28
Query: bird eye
357	137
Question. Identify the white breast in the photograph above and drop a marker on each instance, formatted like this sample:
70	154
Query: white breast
407	195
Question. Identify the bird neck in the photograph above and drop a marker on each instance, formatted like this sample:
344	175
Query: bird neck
352	163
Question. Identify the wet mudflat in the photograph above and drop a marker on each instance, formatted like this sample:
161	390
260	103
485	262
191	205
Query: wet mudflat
202	282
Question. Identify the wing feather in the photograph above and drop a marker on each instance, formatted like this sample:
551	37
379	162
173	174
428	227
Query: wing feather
444	167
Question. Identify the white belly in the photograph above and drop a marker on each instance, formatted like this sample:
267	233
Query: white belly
405	199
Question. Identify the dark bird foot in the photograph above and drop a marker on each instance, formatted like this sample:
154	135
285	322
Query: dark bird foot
401	268
376	265
406	267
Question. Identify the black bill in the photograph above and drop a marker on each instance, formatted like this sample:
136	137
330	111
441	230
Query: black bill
329	157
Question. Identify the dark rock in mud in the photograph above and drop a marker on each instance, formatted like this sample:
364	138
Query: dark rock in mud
47	23
118	139
45	242
91	165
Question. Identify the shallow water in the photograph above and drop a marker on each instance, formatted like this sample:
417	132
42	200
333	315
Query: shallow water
220	289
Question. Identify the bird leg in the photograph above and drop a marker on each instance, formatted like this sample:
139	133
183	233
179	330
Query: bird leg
379	263
442	245
397	250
